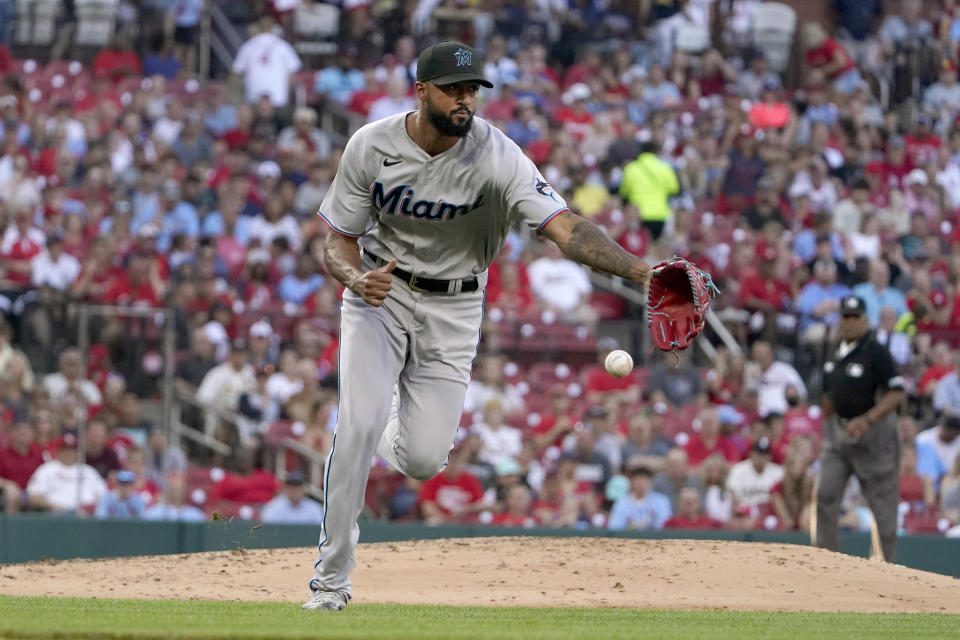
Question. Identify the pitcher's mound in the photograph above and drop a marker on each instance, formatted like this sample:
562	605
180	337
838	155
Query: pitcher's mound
521	571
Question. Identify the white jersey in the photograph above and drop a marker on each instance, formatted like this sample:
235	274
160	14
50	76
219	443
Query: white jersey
443	216
751	488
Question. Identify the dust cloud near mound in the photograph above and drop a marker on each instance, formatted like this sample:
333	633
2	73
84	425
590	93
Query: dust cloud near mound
519	571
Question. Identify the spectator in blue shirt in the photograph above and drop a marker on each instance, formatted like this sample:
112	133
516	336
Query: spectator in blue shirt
641	508
228	221
341	81
292	506
121	502
192	144
162	61
819	301
946	398
296	287
174	508
877	293
807	243
659	92
528	125
179	216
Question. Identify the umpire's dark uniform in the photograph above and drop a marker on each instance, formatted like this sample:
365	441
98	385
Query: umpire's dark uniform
858	377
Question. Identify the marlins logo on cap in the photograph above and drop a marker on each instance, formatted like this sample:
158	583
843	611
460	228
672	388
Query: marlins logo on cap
464	57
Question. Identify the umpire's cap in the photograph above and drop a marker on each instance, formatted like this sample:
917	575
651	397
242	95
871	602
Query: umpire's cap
449	62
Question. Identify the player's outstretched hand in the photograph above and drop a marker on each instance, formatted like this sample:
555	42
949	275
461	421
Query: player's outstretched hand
374	285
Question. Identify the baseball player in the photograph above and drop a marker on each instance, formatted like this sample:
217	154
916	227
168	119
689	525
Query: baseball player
419	208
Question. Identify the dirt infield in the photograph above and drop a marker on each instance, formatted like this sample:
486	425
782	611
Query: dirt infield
522	571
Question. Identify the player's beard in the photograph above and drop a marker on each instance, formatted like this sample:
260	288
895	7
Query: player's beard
445	124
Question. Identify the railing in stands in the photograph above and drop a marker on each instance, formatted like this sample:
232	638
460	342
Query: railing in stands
205	438
339	122
315	460
223	38
228	32
182	430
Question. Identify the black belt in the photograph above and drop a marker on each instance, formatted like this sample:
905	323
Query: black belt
428	285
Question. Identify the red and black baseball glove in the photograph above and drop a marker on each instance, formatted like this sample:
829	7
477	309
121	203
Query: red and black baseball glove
678	299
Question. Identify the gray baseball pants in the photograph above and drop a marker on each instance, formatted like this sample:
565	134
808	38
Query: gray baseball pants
404	369
875	460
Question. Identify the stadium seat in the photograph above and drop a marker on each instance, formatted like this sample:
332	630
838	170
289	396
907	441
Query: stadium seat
774	24
95	22
36	22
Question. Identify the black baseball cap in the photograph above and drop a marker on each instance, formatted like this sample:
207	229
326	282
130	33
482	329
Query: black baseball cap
449	62
294	479
852	306
762	445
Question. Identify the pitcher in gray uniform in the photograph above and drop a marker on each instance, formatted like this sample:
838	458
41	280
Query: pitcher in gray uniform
419	208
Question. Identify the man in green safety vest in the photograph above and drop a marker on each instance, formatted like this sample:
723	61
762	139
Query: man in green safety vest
647	183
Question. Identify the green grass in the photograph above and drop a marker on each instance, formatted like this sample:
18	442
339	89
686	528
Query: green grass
136	619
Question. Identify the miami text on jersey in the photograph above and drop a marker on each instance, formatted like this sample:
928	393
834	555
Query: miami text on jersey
399	201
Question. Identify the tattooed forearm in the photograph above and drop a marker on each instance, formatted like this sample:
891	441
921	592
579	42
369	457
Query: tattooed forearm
588	245
342	257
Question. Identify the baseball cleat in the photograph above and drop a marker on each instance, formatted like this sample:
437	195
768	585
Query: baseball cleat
325	600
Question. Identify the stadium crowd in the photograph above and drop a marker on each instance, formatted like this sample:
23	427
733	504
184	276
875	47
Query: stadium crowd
796	166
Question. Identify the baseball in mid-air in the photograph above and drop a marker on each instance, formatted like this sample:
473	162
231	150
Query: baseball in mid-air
618	363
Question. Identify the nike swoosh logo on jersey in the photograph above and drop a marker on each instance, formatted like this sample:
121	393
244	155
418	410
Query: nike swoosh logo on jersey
388	163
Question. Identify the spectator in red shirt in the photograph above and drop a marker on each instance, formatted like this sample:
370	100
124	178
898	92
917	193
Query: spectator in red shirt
941	316
923	145
17	464
117	61
689	514
139	285
771	112
574	117
761	289
453	494
826	55
894	167
555	425
709	440
763	292
97	272
942	363
20	244
916	490
518	504
6	58
512	292
257	486
800	418
600	385
556	505
374	89
501	107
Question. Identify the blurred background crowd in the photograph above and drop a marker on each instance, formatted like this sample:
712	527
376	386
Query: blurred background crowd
172	153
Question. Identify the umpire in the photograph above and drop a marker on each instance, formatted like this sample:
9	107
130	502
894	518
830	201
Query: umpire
861	389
